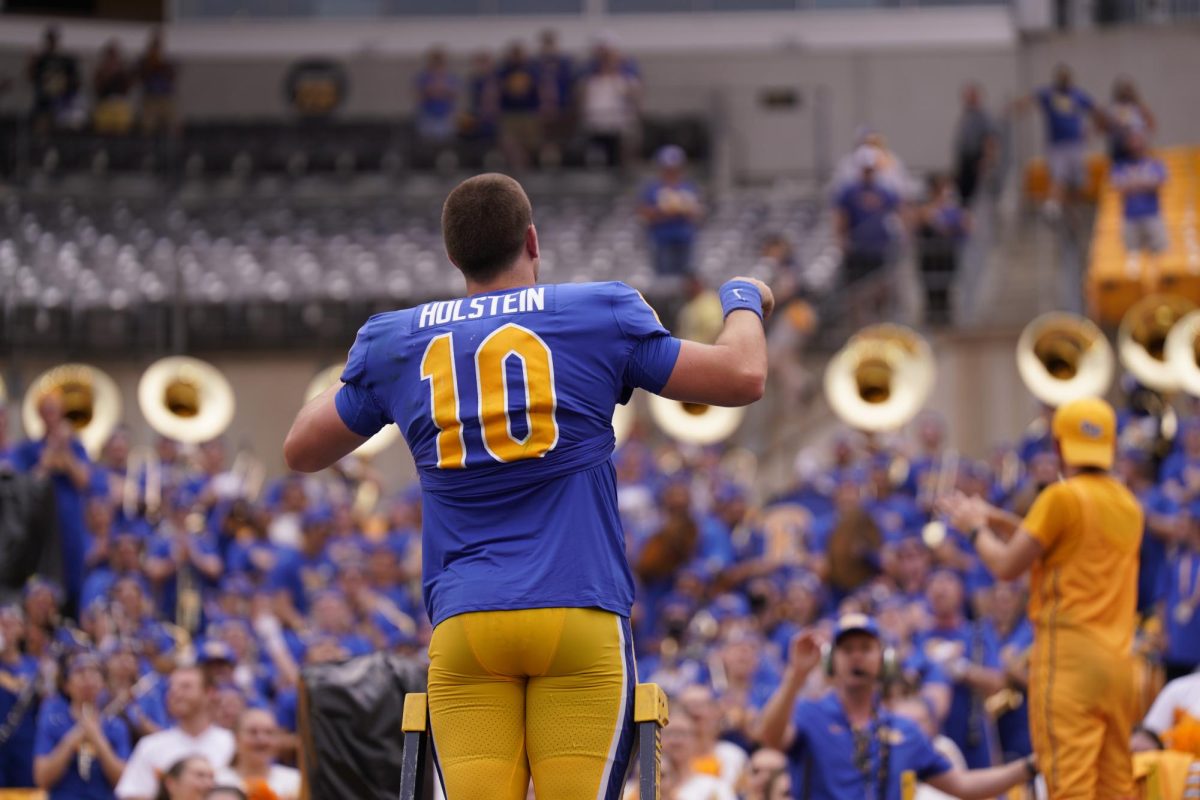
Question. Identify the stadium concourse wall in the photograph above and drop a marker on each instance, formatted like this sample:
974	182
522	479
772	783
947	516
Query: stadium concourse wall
978	392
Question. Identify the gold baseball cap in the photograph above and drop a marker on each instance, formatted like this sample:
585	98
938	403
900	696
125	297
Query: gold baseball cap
1086	431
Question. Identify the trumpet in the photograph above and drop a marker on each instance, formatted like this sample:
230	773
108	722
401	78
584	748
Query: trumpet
90	398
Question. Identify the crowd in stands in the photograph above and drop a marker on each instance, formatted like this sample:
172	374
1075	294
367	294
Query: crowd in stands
123	93
166	660
533	103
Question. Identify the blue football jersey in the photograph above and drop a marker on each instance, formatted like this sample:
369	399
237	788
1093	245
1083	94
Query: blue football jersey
506	401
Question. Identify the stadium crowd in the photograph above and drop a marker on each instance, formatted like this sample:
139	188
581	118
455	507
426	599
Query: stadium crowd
166	662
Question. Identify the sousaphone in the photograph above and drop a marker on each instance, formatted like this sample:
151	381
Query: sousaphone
1183	352
330	376
186	399
881	379
1063	357
695	423
90	399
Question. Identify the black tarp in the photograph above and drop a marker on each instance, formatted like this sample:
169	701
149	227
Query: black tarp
350	733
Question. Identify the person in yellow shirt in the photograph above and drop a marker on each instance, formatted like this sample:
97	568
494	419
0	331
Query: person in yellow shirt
1080	541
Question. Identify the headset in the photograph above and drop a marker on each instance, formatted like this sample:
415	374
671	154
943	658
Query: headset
889	667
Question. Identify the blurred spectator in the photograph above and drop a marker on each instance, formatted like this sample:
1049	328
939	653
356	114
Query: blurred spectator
680	749
225	793
136	700
942	226
437	96
701	318
1065	110
60	457
481	120
19	701
1014	632
763	769
1139	179
890	171
722	760
671	209
1179	594
112	83
845	744
968	653
866	219
556	91
1178	700
55	79
610	104
81	751
254	764
1126	115
189	702
156	76
976	145
851	541
190	778
520	107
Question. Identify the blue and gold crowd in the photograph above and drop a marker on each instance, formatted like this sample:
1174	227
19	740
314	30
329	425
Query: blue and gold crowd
188	563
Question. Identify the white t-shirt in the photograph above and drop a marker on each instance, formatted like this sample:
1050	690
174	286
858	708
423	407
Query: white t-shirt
704	787
158	752
732	760
284	781
1180	694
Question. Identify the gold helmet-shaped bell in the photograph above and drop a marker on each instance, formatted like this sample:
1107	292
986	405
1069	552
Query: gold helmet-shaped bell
90	399
1183	352
1063	357
1142	340
186	399
881	379
329	376
695	423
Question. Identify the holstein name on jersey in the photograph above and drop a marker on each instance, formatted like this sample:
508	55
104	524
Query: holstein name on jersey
521	302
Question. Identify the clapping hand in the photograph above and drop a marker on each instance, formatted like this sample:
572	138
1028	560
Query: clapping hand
964	513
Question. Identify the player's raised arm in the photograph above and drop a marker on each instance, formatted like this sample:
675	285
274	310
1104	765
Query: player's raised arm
733	370
319	437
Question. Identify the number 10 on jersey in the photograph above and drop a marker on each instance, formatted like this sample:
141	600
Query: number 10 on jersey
492	386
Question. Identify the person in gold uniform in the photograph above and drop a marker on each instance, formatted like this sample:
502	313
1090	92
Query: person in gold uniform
1080	540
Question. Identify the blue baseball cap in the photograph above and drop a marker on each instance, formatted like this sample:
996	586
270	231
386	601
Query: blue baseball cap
854	623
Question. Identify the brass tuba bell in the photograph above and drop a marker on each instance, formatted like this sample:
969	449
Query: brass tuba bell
695	423
1063	357
381	441
186	399
1142	340
1183	352
90	398
881	379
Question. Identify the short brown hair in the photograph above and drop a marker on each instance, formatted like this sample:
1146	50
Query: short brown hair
484	222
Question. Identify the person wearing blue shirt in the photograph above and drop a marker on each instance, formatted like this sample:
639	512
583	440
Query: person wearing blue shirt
1139	180
18	701
1179	597
865	219
60	457
1065	109
1162	520
520	106
968	652
848	744
299	573
671	210
1014	633
437	94
124	559
80	751
506	399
